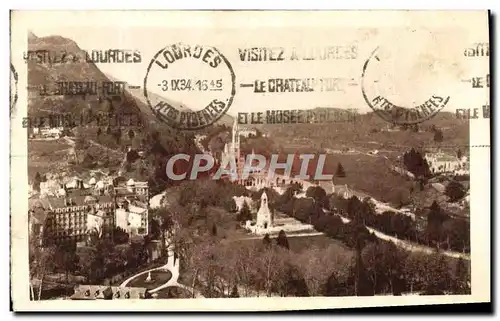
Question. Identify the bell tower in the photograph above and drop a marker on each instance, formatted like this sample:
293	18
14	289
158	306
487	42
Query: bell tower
264	218
235	143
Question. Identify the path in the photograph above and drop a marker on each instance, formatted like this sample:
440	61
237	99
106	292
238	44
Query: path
156	201
92	142
172	282
312	233
171	266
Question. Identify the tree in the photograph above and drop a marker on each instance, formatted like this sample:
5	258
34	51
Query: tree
382	262
282	240
36	182
214	229
120	236
318	194
461	280
455	191
246	268
234	292
154	229
131	134
340	171
416	164
272	265
66	259
414	271
230	205
266	240
438	136
41	262
117	135
435	220
244	214
437	277
318	264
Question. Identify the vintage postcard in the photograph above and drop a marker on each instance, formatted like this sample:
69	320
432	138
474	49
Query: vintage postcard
249	161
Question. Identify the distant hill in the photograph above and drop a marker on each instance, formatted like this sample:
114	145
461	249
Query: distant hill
368	130
65	67
138	94
155	138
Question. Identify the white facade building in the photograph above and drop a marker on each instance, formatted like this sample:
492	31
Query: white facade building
264	221
445	163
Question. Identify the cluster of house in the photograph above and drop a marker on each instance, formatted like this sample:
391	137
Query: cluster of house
46	132
78	209
441	163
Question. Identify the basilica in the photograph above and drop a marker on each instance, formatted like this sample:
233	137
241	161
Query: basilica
232	152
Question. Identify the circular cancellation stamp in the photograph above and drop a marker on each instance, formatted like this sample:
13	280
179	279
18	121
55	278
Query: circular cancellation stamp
403	89
13	87
189	87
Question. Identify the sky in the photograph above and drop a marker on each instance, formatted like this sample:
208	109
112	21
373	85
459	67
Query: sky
416	61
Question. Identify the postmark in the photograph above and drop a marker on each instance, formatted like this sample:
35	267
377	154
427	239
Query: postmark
193	85
380	85
13	87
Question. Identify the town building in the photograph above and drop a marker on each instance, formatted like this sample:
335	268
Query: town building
248	132
47	132
74	216
440	162
132	207
77	210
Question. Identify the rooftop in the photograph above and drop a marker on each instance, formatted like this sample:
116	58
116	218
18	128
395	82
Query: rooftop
96	292
77	200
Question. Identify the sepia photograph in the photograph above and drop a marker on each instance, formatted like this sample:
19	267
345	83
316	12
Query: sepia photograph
276	160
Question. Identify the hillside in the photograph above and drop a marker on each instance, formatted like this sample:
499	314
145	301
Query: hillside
138	94
369	131
157	140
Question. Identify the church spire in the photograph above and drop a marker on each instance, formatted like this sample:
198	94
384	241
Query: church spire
235	140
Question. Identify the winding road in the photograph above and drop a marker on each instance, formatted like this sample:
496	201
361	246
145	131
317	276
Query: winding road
411	246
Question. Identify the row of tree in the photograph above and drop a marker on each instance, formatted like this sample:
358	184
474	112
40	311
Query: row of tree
232	269
440	231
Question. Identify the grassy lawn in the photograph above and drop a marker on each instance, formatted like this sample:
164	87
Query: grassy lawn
302	243
157	278
47	146
367	174
46	156
173	292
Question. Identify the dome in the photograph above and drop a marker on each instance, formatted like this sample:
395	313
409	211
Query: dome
130	182
92	181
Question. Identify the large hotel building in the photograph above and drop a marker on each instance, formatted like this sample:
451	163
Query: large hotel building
79	209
